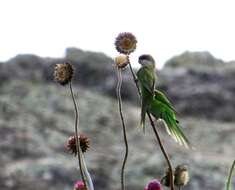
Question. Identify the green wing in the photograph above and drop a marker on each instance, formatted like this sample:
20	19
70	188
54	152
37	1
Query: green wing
161	108
161	97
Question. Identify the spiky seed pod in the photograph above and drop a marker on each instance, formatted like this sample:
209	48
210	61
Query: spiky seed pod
84	144
166	178
121	61
79	185
63	73
125	43
181	175
71	145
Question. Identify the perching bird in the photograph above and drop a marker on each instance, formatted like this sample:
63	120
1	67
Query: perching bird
146	77
161	108
155	102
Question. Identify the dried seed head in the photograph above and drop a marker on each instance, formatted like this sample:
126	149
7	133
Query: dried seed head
63	73
166	178
121	61
125	43
84	144
71	145
79	185
181	175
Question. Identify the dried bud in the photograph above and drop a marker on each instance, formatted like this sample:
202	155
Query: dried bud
166	178
84	144
153	185
63	73
121	61
79	185
181	175
126	43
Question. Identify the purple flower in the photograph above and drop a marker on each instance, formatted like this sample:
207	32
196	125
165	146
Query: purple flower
153	185
79	185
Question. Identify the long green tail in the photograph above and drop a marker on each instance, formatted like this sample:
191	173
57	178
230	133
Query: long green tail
175	130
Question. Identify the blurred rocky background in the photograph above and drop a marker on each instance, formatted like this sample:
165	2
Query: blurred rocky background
37	117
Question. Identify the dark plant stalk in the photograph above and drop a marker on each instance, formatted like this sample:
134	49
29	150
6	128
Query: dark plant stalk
230	176
78	148
118	91
155	132
163	151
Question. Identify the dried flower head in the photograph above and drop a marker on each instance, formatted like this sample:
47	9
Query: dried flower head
166	178
181	175
63	73
79	185
153	185
126	43
84	143
121	61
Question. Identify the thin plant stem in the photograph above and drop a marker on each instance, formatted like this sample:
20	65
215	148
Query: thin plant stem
163	151
78	148
228	184
135	79
118	91
87	174
155	132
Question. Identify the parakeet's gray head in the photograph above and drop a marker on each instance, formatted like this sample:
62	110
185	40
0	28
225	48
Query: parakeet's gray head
146	60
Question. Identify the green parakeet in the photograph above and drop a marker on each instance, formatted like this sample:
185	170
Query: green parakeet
146	78
161	108
155	102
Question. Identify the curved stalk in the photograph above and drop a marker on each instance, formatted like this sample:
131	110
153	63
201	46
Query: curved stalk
79	151
230	176
163	151
87	174
118	91
155	132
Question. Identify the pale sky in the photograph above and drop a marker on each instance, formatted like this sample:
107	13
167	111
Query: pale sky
163	28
